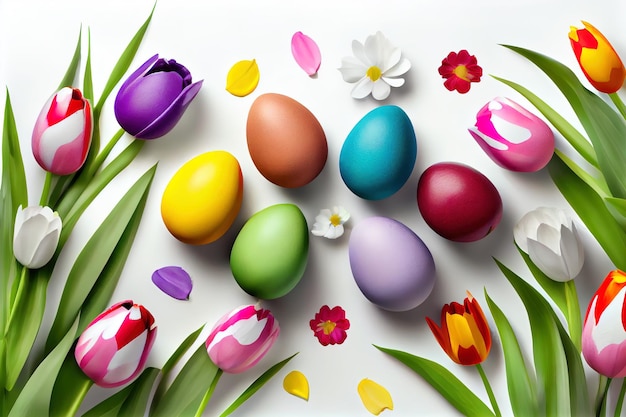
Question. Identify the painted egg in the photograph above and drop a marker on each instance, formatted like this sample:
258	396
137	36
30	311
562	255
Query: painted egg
286	142
390	264
270	253
458	202
379	153
203	198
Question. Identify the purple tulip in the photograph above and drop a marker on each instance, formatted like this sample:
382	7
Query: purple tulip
153	99
241	338
114	347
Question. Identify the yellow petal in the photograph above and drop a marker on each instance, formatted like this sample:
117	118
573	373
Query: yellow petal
295	383
242	78
374	396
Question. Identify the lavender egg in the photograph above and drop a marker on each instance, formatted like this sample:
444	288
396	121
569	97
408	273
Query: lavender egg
390	264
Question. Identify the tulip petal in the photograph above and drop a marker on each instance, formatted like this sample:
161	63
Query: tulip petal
295	383
306	53
374	396
173	281
45	250
243	78
547	261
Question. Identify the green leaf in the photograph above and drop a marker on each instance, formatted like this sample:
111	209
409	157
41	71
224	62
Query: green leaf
99	297
592	211
521	385
88	80
550	359
605	127
564	296
123	62
130	401
188	388
256	385
565	128
70	74
171	362
34	400
444	381
70	387
13	174
597	184
95	256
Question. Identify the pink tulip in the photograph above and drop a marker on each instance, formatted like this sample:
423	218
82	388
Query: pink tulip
604	331
114	347
241	338
513	137
62	133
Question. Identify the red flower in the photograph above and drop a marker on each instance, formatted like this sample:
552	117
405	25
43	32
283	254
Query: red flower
329	326
460	70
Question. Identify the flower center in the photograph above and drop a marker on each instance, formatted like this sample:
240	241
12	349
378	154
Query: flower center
327	326
374	73
461	72
335	220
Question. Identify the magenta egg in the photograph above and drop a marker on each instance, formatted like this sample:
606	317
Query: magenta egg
458	202
390	264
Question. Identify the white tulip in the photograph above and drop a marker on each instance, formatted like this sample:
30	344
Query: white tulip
549	237
36	235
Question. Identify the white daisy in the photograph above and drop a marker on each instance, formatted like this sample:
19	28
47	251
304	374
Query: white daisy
375	67
329	224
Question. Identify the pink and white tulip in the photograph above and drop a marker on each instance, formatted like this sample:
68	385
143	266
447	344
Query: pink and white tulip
62	133
241	338
114	347
604	330
513	137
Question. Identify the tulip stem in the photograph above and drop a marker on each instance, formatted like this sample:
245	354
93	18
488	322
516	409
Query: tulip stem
17	295
45	192
601	400
618	103
104	153
209	393
620	399
487	385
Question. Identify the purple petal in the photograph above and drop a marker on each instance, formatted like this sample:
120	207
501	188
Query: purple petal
173	281
168	119
145	67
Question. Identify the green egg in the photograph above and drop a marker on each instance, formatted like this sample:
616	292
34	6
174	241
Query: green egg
270	253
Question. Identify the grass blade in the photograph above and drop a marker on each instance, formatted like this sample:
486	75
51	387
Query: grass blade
521	385
444	381
256	385
94	257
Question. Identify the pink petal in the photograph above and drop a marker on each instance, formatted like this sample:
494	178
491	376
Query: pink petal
306	53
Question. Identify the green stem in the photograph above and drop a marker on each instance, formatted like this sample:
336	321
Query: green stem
601	409
620	400
574	319
45	192
487	385
84	385
104	154
209	393
18	295
616	99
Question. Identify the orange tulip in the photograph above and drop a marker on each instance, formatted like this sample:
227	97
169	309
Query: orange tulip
597	58
464	333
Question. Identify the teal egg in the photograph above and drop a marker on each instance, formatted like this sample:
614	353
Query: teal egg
379	153
270	253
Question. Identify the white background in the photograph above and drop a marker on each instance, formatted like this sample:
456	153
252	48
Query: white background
37	39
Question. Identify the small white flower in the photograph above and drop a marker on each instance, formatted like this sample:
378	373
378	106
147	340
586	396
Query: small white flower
329	224
36	235
375	67
549	237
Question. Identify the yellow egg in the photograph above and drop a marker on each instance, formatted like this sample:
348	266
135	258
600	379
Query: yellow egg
203	198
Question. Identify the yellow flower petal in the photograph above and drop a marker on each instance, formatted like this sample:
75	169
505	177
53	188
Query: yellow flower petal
295	383
374	396
242	78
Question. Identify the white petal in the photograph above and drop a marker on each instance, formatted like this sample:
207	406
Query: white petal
125	361
352	70
399	69
363	88
359	52
381	90
376	49
547	261
572	251
334	232
549	236
394	82
342	212
609	329
320	229
46	250
392	59
28	237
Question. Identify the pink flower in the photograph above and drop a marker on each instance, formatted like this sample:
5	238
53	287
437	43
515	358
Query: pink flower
114	347
62	133
241	338
604	330
459	70
330	325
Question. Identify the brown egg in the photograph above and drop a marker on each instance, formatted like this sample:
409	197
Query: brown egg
286	141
